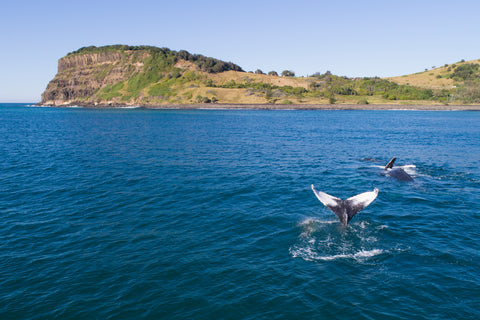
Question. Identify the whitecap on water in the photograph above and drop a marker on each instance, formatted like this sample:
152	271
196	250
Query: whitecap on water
321	240
411	169
309	254
127	107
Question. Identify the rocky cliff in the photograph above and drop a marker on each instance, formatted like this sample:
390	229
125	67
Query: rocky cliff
80	77
126	75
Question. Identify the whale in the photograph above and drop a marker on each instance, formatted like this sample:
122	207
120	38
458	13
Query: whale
346	209
397	172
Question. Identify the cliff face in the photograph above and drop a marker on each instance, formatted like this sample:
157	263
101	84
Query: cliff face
85	60
130	75
80	77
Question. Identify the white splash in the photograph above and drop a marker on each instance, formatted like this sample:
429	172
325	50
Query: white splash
411	169
310	225
317	241
311	222
309	254
128	107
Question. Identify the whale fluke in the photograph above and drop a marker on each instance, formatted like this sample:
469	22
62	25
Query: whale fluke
345	210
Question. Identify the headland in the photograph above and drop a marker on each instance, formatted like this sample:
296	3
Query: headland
150	77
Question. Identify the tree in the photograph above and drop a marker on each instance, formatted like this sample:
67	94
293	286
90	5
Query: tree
258	71
331	98
288	73
273	73
465	71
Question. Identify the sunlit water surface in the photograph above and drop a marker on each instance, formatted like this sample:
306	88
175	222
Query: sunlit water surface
124	214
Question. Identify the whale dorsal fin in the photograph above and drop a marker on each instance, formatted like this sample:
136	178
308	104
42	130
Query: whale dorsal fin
345	210
390	164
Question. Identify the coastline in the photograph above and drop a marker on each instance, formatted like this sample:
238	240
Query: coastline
321	107
223	106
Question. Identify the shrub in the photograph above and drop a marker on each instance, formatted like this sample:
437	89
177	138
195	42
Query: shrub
363	101
331	98
288	73
160	90
209	83
200	99
174	74
191	76
299	91
111	91
465	71
469	93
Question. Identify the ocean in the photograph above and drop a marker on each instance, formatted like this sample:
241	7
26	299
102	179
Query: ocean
209	214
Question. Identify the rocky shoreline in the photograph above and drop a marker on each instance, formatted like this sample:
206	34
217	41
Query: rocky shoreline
216	106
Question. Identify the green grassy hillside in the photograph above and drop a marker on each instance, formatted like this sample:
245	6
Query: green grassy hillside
460	80
154	76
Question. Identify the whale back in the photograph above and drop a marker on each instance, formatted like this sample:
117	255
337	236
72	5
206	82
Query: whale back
399	174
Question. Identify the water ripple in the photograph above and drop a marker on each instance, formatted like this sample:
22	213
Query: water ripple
209	214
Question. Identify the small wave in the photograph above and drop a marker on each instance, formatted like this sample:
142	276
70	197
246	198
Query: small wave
361	255
312	221
37	106
407	166
363	224
311	225
309	254
127	107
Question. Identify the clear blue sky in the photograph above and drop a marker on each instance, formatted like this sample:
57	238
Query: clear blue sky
350	37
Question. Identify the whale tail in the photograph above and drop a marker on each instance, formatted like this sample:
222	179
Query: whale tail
390	164
346	209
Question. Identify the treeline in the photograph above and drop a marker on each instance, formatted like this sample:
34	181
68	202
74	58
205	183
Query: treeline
369	86
328	85
467	76
464	72
206	64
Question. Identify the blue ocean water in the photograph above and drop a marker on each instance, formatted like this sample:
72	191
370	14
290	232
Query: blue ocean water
208	214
